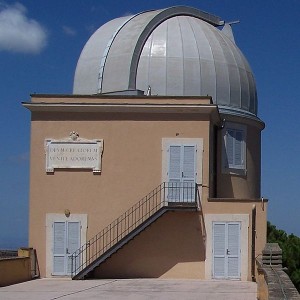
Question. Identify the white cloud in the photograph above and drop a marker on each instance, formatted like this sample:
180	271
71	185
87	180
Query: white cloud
69	31
18	33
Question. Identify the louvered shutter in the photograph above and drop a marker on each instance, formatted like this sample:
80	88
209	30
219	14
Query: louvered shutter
233	250
219	250
238	147
230	137
188	163
59	248
182	173
73	242
188	172
234	149
175	164
174	173
226	250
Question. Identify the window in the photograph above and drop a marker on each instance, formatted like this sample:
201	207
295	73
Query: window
234	153
182	161
182	172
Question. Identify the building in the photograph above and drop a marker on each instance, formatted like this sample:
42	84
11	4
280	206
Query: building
151	168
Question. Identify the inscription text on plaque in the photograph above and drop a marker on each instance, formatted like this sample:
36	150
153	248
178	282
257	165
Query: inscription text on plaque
73	153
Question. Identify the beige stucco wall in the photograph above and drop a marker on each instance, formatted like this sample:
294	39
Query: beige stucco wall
247	185
14	270
222	208
131	167
172	247
178	245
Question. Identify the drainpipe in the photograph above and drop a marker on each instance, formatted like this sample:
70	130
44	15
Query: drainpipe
253	242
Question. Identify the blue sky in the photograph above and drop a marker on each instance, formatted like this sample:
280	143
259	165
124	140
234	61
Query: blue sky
40	42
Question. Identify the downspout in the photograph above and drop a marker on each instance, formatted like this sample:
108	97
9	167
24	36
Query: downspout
253	242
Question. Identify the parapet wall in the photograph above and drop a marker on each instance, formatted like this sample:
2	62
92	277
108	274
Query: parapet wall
273	282
14	270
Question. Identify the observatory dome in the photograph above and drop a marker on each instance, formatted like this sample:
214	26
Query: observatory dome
178	51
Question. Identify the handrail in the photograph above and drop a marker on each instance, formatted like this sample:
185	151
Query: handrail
167	194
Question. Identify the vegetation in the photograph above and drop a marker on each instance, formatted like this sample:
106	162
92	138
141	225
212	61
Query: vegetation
290	245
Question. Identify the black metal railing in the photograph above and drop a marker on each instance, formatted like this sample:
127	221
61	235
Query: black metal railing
167	194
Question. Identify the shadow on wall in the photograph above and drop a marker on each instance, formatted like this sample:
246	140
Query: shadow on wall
173	245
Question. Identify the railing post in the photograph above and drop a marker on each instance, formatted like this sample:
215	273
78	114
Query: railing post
89	252
164	198
197	197
117	230
72	265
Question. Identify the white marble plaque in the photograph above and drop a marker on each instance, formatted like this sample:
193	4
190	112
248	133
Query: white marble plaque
73	153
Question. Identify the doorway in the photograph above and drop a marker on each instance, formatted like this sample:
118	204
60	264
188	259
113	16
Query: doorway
66	240
181	173
226	250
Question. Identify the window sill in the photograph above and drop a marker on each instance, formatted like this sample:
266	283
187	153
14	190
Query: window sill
232	171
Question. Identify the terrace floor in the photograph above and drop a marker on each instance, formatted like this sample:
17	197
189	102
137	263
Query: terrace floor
133	289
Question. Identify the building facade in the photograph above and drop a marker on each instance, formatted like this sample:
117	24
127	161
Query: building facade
151	168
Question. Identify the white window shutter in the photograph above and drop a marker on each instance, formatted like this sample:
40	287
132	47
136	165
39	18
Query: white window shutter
59	238
219	250
226	250
174	173
233	250
238	146
189	172
175	164
188	167
59	247
73	242
234	151
230	147
73	236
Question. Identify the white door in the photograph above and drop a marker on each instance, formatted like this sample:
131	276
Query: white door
226	250
66	240
182	173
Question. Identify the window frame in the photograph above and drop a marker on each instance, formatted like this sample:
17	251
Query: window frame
234	167
167	142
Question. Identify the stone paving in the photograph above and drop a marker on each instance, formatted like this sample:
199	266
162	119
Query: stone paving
133	289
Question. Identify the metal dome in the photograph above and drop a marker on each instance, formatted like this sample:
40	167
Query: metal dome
177	51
